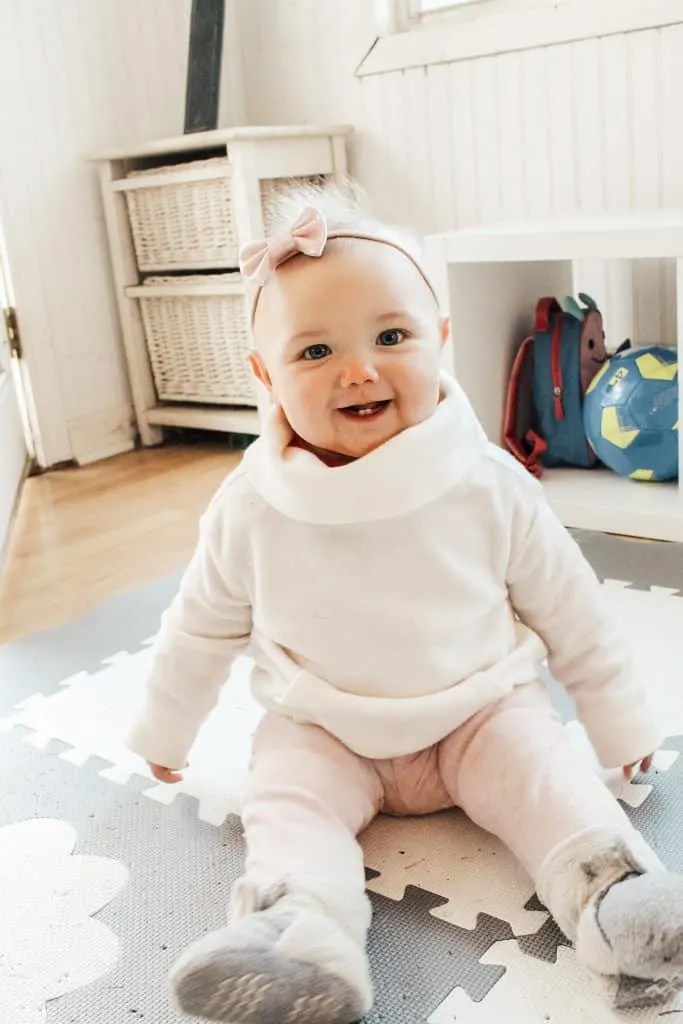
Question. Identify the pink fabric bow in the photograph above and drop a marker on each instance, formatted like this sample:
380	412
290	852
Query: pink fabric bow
308	235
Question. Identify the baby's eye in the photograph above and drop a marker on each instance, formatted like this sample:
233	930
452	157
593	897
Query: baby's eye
394	336
314	352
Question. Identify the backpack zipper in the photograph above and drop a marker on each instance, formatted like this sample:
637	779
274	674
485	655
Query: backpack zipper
556	367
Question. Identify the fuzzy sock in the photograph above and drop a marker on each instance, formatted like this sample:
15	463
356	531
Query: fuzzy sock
583	867
638	923
612	896
288	963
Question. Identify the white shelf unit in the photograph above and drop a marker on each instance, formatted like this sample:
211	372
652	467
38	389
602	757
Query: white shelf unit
489	280
254	155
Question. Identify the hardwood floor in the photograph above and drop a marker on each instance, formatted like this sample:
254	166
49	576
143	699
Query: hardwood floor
83	534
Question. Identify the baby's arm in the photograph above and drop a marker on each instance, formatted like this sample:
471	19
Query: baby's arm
206	627
556	593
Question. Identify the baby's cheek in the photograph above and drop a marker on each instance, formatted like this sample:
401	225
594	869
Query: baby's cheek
302	400
418	384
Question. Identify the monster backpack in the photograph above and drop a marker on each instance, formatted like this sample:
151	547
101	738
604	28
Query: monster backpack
543	423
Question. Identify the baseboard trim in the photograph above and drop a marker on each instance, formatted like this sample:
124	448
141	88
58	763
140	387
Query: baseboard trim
102	434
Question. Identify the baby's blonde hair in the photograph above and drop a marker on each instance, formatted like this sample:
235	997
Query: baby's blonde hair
344	207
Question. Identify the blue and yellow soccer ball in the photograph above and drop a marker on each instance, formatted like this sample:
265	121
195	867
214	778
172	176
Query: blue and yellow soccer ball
630	413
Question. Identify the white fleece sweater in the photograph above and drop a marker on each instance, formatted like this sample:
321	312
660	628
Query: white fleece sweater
390	599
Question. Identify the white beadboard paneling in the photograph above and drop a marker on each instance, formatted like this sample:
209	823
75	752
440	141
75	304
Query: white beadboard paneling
561	129
463	151
644	69
644	63
418	146
617	119
618	308
669	102
671	159
562	155
82	76
668	293
486	119
397	186
440	127
536	115
512	170
576	128
375	173
588	126
648	300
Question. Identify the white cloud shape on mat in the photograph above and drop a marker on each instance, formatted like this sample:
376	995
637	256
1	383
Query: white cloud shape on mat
49	944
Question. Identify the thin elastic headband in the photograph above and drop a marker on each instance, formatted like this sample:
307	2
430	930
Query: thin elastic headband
308	235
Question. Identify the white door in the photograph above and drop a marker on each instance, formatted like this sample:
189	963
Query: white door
13	454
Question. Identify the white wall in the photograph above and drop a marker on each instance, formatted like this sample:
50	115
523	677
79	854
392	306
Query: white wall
578	128
77	77
582	127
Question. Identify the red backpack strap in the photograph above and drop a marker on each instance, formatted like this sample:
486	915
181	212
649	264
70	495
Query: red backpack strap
556	367
524	443
546	309
538	446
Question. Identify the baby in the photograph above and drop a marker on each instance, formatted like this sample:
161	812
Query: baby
398	581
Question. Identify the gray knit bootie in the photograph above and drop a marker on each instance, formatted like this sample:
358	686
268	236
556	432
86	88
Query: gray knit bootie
285	963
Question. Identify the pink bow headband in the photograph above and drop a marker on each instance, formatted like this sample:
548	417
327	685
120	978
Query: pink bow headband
307	235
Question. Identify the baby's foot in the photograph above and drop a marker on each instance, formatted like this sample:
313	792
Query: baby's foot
638	922
288	964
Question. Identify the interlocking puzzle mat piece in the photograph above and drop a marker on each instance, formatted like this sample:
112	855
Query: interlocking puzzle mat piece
644	563
120	623
652	623
535	992
417	959
446	854
92	714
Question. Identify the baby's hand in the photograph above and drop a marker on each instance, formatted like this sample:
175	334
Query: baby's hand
162	774
644	766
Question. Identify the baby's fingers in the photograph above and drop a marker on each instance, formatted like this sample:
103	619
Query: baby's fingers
166	775
643	766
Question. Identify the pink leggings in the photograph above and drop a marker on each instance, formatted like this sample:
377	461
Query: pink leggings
510	768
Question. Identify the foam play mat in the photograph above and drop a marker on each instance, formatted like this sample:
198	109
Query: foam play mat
123	873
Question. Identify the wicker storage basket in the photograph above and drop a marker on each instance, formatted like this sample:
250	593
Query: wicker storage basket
184	224
198	339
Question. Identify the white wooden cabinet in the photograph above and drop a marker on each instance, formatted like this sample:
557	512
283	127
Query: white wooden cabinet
200	196
489	280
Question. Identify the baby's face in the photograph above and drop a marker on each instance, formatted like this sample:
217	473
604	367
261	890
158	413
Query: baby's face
350	346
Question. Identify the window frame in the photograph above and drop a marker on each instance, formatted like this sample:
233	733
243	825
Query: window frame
416	11
489	27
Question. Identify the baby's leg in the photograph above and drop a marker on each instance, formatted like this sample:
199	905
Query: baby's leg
514	772
294	950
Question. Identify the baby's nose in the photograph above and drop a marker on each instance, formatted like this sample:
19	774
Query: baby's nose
358	371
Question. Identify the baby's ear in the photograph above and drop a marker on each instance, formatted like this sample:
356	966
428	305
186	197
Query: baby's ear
445	330
259	369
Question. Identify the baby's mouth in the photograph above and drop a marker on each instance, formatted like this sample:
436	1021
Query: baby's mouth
366	410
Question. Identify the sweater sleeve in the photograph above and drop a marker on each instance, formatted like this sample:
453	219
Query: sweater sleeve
556	593
204	630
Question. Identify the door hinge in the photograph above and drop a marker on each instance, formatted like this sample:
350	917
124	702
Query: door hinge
12	329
